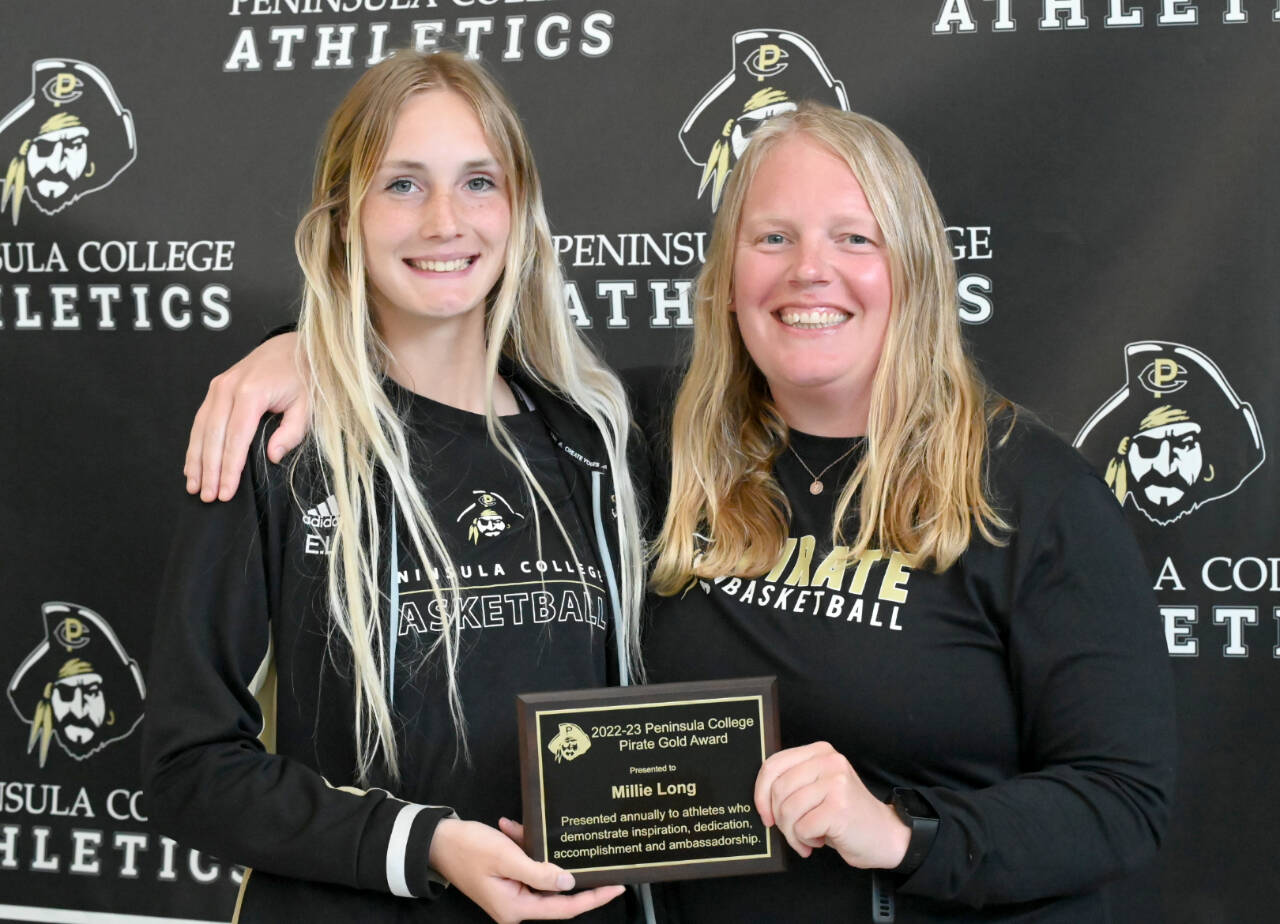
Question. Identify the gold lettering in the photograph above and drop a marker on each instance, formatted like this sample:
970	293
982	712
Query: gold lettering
787	549
769	56
831	572
893	586
1166	370
72	629
865	561
64	84
800	573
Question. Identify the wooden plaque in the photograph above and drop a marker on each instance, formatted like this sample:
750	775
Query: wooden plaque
649	783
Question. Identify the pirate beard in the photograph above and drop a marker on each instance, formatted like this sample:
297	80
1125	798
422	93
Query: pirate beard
54	189
79	736
1165	493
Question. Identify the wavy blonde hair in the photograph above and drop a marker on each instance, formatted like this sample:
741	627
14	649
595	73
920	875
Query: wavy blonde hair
357	435
919	487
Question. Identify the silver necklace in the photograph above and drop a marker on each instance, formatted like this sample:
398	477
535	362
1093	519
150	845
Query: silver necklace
817	486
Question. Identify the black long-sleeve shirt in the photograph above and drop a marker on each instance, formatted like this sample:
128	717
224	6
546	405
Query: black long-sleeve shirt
243	618
1024	692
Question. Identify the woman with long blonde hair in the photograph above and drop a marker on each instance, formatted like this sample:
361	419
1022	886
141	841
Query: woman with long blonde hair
975	706
335	667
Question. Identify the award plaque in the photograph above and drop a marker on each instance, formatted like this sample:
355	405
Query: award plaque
649	783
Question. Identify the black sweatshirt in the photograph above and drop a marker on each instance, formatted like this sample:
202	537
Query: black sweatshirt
246	589
1024	692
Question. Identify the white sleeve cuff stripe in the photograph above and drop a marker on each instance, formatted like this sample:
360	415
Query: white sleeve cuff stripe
396	848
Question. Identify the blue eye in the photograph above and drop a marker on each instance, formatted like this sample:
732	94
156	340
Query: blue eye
401	185
480	184
773	238
858	239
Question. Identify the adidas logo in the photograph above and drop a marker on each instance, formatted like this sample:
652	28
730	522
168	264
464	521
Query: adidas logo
323	515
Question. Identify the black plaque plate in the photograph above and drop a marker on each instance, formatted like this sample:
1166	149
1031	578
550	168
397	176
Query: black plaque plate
649	783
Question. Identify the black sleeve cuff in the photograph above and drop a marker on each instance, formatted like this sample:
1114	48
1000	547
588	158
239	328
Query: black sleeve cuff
394	852
921	817
420	879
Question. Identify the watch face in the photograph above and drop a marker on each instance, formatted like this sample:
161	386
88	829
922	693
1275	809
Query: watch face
913	803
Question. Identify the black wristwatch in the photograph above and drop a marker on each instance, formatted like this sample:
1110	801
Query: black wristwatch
918	815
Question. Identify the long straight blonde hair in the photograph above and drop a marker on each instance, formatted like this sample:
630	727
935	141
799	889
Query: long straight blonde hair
356	434
919	487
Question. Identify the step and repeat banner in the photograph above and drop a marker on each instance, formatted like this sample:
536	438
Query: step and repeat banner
1108	169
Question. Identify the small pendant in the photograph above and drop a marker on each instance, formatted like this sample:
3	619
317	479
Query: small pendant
816	487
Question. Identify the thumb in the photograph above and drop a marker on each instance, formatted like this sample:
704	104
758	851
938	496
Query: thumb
545	877
292	428
763	796
763	802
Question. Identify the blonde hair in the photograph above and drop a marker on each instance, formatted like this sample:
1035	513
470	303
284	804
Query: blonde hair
919	487
357	435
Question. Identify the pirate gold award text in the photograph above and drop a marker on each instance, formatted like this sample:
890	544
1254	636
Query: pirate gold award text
596	811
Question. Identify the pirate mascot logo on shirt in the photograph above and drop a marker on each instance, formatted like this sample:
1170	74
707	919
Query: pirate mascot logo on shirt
1176	436
487	518
69	138
772	71
79	686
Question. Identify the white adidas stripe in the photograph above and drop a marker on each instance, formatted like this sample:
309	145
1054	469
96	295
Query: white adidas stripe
326	508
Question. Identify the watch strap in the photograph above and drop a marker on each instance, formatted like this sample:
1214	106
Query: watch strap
919	816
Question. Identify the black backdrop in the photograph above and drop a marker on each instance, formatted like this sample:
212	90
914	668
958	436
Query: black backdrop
1109	169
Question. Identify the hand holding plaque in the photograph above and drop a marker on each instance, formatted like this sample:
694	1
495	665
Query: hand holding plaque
814	798
640	784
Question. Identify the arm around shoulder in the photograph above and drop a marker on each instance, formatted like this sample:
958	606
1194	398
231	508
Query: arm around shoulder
269	379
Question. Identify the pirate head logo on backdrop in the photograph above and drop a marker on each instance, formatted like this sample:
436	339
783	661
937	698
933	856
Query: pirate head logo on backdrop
79	686
69	138
490	516
772	71
1176	436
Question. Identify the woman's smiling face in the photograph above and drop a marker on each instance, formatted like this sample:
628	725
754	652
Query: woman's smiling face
437	216
811	279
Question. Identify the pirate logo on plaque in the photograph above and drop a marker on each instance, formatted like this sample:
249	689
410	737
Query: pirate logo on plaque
569	743
1175	436
78	687
773	70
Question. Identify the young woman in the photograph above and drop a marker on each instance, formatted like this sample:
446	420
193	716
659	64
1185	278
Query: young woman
333	677
976	708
